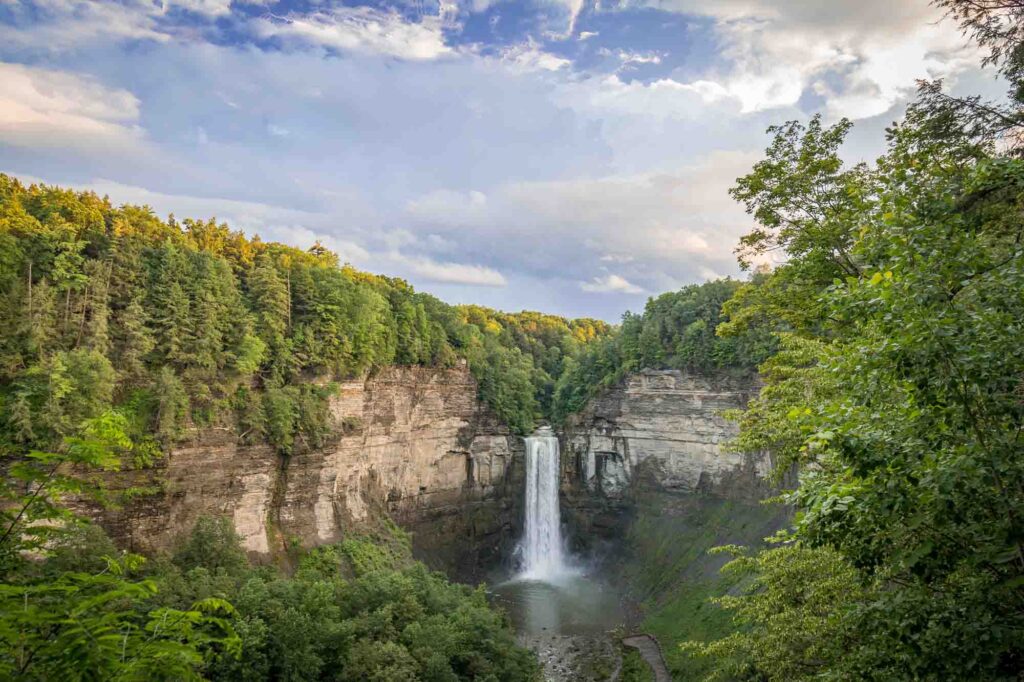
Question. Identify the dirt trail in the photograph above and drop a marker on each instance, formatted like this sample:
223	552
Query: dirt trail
651	652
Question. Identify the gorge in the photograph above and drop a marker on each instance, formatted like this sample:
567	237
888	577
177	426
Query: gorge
418	445
248	411
293	413
644	462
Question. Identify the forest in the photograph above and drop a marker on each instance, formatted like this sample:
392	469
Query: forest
125	333
191	323
897	391
888	341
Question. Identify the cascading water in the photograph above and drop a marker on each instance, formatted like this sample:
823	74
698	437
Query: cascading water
541	546
552	594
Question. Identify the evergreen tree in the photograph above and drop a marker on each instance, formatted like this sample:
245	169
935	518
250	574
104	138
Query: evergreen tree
172	405
133	341
271	305
170	307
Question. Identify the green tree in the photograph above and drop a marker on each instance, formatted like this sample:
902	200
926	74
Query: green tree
172	405
271	304
213	545
170	305
87	625
133	341
901	403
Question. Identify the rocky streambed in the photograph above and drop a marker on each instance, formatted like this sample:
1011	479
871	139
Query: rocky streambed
574	623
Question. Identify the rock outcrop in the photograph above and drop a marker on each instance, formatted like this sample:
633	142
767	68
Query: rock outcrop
665	428
413	442
417	445
658	431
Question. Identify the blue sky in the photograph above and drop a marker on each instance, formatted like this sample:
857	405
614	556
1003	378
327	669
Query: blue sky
571	156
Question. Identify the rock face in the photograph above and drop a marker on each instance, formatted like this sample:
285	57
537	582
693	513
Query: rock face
415	442
660	430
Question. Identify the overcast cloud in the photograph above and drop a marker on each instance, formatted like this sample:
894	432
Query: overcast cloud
564	155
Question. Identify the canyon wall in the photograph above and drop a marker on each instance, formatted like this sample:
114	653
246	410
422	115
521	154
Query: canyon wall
659	431
417	444
413	442
649	488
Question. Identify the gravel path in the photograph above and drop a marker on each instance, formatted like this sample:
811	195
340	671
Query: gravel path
651	652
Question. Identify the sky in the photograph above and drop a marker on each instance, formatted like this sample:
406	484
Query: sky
569	156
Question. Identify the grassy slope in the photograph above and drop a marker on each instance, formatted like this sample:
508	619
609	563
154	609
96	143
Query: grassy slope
670	573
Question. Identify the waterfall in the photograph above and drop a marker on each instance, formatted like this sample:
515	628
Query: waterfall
541	546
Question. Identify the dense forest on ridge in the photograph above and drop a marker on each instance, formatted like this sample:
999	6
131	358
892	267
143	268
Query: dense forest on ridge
677	330
191	324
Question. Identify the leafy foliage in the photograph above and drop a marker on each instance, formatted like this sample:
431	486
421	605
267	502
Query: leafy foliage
787	601
174	322
72	615
359	610
898	393
676	331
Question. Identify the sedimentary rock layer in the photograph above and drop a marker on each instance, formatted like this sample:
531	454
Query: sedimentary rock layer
665	428
414	442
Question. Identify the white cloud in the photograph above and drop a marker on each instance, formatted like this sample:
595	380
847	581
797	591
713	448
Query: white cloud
628	57
458	208
611	284
529	57
57	108
863	57
56	25
610	95
362	30
450	273
651	227
571	10
212	8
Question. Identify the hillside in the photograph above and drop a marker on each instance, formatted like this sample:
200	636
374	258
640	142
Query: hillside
183	324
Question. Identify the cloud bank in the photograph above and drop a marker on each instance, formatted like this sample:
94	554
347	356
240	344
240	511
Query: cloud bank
563	155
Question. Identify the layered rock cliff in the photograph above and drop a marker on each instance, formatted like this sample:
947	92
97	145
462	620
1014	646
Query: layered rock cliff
413	442
658	431
649	488
416	444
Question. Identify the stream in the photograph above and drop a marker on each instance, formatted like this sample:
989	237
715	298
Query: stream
568	623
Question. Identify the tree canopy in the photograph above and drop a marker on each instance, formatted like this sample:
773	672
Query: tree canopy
897	392
190	323
675	331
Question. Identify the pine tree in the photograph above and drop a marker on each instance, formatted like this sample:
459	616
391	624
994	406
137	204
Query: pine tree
19	419
269	295
171	306
40	328
172	405
94	328
133	341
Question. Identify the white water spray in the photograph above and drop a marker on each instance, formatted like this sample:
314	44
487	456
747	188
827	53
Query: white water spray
541	546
